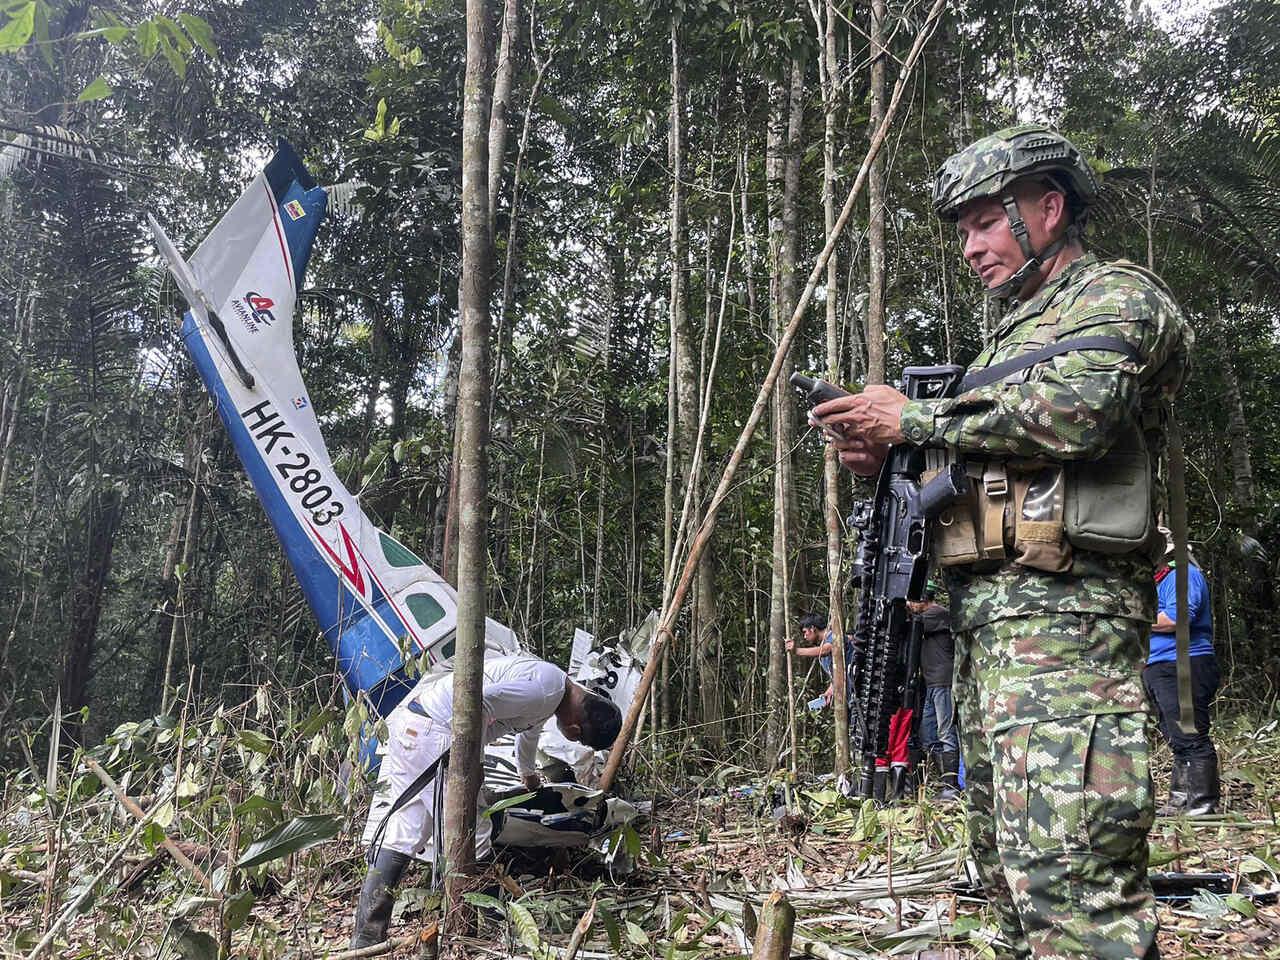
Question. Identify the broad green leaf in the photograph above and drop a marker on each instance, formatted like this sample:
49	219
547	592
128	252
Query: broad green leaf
177	63
507	802
483	901
257	804
180	39
255	741
298	834
41	34
236	909
317	722
526	926
18	30
200	32
148	37
636	935
193	944
1251	865
1241	904
868	820
611	928
1162	855
632	840
152	835
112	35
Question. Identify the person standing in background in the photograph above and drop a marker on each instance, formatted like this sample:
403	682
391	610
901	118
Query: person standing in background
938	734
1194	786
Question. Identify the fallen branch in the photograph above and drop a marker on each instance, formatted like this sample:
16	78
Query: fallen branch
182	859
377	950
666	625
427	939
74	907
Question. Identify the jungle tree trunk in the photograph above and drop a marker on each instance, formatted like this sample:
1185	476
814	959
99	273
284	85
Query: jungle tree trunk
102	520
498	115
830	461
1243	490
472	429
875	197
782	173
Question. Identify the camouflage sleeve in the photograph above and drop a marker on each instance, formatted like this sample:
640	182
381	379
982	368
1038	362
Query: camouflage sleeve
1073	406
1066	416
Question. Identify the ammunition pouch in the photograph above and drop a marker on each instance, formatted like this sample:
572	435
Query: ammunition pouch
1109	499
1037	514
972	529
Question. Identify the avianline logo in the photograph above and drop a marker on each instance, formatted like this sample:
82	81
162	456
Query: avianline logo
254	309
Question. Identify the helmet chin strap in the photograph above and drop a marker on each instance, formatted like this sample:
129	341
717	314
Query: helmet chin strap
1030	269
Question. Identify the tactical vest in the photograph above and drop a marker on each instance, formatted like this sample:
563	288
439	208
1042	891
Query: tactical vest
1037	512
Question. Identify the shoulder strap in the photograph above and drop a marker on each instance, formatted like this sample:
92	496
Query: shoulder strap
412	790
997	372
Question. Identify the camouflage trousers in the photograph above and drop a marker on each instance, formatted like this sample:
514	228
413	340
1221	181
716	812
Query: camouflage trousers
1057	782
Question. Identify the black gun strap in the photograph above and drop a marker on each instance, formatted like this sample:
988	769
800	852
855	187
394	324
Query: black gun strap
997	372
411	791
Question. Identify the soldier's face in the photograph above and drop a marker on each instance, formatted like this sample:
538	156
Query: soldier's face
989	244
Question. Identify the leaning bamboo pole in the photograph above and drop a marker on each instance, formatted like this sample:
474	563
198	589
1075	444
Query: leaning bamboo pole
672	608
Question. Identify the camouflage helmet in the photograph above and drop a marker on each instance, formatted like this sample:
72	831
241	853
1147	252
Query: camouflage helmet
988	166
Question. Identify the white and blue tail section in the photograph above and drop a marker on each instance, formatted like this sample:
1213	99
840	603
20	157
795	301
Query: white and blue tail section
377	603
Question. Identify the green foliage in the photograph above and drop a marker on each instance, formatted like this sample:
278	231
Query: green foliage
300	833
113	440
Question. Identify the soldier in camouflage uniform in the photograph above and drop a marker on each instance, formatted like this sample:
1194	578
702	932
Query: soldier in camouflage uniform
1048	663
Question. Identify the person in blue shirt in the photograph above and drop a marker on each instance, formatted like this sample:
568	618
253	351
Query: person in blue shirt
1194	788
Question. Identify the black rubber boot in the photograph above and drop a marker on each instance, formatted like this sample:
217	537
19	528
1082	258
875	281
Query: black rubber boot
1203	790
950	776
880	785
933	767
902	784
373	912
1177	802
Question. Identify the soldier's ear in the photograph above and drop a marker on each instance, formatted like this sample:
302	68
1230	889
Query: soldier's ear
572	731
1053	204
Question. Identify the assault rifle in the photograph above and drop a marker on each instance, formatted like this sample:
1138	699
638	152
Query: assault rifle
892	563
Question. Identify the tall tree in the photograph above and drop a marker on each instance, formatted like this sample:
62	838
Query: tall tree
466	767
782	172
876	202
826	24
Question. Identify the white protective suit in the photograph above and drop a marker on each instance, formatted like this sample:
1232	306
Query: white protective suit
520	693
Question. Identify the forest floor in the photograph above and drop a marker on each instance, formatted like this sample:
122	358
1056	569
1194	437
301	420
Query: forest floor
864	882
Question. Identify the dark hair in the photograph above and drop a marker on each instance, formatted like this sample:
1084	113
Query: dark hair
601	721
816	620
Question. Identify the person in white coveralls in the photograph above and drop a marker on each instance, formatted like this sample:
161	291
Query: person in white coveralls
520	694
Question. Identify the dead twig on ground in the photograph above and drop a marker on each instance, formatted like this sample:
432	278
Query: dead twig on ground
182	859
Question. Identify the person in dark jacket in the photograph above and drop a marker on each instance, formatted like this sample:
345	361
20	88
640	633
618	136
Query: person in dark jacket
938	734
1194	788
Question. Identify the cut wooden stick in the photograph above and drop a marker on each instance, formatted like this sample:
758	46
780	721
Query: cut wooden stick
776	928
182	859
672	609
580	932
